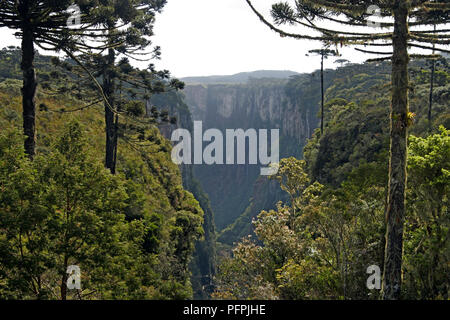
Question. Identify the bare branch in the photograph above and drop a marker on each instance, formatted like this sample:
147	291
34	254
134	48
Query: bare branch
374	52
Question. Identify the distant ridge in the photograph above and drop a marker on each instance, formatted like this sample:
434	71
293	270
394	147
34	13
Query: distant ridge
241	77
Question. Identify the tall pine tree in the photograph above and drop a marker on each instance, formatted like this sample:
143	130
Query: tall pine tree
130	24
46	24
324	53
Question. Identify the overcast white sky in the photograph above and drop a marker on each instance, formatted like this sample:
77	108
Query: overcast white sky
215	37
220	37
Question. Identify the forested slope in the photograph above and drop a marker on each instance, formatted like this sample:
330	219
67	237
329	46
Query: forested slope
131	234
203	265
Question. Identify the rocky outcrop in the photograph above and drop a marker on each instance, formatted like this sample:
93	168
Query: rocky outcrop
257	104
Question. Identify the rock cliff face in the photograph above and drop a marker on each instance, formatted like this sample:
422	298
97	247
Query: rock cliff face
259	104
254	105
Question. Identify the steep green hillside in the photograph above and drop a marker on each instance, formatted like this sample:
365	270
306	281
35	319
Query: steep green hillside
154	222
203	265
357	120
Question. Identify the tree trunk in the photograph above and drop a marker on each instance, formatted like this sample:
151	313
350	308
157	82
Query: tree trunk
431	96
64	279
109	88
116	129
29	91
395	210
433	67
321	88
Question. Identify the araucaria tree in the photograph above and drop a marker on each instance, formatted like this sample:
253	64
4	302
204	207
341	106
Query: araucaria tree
324	53
430	16
129	26
405	24
45	24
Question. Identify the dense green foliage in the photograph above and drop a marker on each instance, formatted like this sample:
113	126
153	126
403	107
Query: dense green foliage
427	245
203	264
132	235
320	245
315	248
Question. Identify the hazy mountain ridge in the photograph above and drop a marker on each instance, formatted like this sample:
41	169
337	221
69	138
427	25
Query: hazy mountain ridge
241	77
